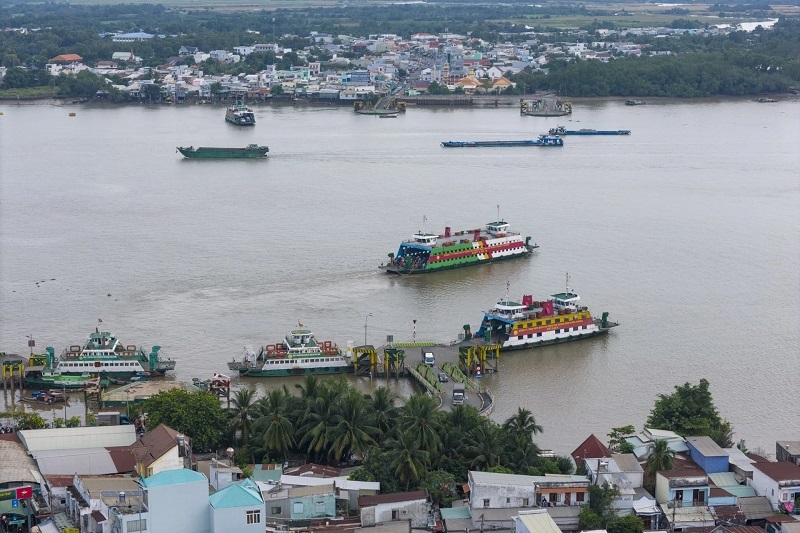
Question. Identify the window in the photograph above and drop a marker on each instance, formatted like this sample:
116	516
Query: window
136	525
525	502
508	500
486	502
254	517
297	508
558	331
546	321
530	335
538	334
579	496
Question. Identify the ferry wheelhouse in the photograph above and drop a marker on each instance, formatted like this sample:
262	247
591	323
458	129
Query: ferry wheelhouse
559	318
428	252
298	353
104	353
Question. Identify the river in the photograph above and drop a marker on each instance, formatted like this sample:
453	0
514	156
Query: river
686	231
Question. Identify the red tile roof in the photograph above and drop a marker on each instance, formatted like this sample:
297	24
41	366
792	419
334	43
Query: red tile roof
591	448
58	481
122	457
781	471
67	58
394	497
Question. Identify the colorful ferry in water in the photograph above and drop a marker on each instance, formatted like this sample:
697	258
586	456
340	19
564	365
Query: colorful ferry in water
559	318
241	115
298	353
429	252
102	354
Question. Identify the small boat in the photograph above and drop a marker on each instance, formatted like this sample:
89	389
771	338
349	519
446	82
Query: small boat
298	353
47	396
251	151
561	130
241	115
635	102
388	116
543	140
56	380
428	252
766	100
530	323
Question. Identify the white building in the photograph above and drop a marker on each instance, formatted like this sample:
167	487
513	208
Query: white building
238	508
778	482
383	508
535	521
177	500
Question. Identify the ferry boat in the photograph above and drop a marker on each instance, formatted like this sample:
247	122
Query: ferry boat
428	252
104	354
47	379
298	353
635	102
561	130
250	151
543	140
241	115
559	318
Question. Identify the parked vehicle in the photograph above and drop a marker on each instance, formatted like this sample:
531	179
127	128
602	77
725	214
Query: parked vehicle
459	393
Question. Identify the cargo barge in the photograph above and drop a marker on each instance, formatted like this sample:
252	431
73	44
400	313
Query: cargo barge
561	130
251	151
543	140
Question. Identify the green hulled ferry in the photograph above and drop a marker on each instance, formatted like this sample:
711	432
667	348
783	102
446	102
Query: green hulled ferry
298	353
429	252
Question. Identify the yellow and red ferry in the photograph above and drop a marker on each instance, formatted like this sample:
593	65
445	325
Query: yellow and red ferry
429	252
530	323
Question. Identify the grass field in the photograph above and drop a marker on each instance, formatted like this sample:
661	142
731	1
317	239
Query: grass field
30	93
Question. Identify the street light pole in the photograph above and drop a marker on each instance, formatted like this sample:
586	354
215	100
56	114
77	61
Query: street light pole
366	320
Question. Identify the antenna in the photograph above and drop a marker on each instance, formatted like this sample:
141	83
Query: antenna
508	285
567	287
498	213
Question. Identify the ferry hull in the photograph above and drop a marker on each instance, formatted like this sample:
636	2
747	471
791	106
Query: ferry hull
471	261
297	371
558	340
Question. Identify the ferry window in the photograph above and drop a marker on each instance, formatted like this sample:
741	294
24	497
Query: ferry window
538	334
546	321
584	327
558	320
575	328
539	323
530	335
558	331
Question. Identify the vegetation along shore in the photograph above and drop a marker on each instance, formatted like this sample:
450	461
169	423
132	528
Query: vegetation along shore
153	53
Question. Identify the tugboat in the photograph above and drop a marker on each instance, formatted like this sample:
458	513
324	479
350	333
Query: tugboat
531	323
241	115
429	252
298	353
101	354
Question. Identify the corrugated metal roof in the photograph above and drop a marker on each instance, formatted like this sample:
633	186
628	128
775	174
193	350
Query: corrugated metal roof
539	522
76	438
723	479
755	508
453	513
395	497
173	477
15	465
244	494
86	461
626	462
706	446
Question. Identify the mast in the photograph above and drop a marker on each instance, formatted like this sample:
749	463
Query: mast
567	284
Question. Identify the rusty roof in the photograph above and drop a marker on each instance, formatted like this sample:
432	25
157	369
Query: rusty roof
122	457
313	470
591	448
55	481
154	444
780	471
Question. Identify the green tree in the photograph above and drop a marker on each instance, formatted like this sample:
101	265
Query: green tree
660	458
486	446
198	415
588	520
440	485
242	412
275	429
382	411
353	432
522	424
625	524
74	422
420	417
617	442
690	411
376	467
16	78
601	503
406	459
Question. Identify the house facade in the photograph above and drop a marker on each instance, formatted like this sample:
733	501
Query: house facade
488	490
682	488
177	500
779	483
399	506
237	508
707	454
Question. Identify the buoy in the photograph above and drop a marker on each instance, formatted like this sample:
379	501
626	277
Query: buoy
72	114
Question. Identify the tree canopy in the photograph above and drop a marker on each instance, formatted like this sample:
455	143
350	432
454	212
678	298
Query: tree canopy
197	415
690	411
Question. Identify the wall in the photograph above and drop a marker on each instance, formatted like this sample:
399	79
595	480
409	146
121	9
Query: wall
234	520
710	465
312	506
169	461
502	497
416	511
181	507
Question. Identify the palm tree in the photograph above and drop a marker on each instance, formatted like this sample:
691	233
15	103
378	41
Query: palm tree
242	412
523	424
486	446
309	389
406	459
382	410
319	423
661	458
352	435
420	416
277	430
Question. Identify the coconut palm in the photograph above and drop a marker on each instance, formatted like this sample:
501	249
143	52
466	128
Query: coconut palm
352	434
661	458
382	410
309	389
276	429
523	424
242	413
420	416
406	459
486	446
319	423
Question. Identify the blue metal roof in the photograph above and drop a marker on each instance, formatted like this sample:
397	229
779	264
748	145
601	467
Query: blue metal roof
173	477
244	494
